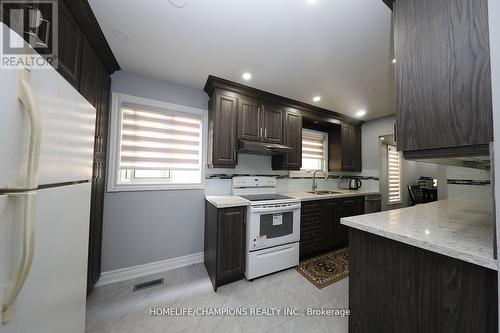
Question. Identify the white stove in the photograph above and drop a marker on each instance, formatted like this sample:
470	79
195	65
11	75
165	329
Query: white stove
273	226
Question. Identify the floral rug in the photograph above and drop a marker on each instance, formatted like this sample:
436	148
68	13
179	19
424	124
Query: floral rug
326	269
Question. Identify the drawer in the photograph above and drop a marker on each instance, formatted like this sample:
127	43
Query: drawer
311	221
271	260
311	207
311	234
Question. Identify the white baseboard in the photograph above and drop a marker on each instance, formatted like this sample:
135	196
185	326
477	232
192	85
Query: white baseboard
129	273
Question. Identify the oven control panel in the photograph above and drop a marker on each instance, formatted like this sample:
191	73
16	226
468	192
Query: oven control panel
253	182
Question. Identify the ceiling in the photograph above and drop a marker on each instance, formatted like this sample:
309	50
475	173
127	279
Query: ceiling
337	49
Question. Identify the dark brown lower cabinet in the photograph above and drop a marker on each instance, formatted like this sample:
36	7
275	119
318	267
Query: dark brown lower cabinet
320	228
225	231
395	287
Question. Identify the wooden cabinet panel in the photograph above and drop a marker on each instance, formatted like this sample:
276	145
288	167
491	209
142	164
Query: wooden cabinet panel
250	120
96	219
292	137
320	228
89	74
273	124
414	290
103	107
344	148
351	148
334	236
224	248
443	84
231	243
222	145
69	47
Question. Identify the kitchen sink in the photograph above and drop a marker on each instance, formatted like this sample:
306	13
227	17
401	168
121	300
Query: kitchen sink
324	192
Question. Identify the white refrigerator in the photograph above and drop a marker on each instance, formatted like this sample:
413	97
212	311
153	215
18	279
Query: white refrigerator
46	153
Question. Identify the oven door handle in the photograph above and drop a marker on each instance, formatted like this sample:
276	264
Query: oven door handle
275	209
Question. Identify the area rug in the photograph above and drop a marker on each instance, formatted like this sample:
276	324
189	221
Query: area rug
326	269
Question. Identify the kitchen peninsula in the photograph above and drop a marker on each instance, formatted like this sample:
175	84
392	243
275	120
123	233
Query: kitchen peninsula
427	268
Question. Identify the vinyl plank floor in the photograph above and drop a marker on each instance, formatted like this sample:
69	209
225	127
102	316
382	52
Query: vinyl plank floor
116	308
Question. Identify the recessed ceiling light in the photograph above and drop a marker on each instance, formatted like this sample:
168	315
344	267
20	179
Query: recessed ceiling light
317	98
178	3
360	113
394	60
382	139
120	34
311	1
247	76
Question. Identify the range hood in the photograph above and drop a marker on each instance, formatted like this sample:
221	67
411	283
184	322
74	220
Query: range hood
261	148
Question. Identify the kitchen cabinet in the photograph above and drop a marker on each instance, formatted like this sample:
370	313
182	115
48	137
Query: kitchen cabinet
344	148
292	137
222	121
96	217
70	43
320	229
102	100
272	120
259	122
396	287
241	112
249	119
225	237
443	84
89	74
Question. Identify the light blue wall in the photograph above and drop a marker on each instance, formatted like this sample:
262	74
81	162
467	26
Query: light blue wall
149	226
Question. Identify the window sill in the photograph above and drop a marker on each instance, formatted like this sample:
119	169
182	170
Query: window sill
159	187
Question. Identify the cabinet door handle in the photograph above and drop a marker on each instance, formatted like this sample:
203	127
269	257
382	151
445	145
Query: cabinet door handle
265	133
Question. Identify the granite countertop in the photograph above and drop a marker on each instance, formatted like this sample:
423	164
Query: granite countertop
225	201
454	228
304	196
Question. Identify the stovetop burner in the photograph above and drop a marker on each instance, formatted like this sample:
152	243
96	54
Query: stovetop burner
264	197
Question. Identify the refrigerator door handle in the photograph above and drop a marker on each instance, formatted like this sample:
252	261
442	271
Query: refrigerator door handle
12	291
27	98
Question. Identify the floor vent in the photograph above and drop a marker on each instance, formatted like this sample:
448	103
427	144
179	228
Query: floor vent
148	284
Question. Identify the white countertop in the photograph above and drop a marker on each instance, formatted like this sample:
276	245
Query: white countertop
458	229
226	201
304	196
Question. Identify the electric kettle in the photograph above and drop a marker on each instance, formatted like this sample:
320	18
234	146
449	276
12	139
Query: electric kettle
355	184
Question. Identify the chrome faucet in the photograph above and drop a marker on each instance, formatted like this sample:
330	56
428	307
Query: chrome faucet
315	185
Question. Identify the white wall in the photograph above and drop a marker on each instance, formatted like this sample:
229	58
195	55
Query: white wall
149	226
371	156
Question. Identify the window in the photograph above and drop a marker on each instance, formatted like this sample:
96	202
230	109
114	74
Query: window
314	150
394	174
155	145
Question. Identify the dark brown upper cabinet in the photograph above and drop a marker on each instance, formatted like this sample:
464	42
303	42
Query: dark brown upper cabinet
222	122
250	119
344	148
443	78
259	122
89	74
273	123
292	130
69	47
241	112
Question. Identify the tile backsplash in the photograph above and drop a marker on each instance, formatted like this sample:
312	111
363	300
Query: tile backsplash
468	184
